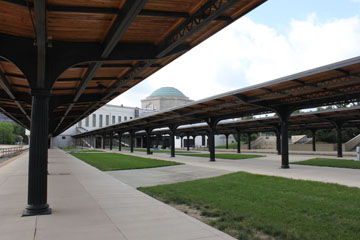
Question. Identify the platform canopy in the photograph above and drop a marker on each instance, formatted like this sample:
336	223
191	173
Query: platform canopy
311	120
85	53
337	83
62	60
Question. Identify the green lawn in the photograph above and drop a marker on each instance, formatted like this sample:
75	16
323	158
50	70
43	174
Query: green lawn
249	206
222	155
157	151
83	150
115	161
231	146
329	162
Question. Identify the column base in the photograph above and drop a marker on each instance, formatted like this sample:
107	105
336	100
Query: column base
285	166
212	160
33	210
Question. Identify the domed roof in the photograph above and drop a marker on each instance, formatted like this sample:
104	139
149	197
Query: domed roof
167	91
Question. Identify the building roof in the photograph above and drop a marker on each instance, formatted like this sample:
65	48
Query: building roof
167	91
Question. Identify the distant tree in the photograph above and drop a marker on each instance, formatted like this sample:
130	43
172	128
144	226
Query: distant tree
6	133
329	135
244	137
20	131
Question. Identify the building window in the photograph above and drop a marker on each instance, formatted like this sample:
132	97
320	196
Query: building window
80	124
87	121
125	118
94	120
63	137
130	118
107	120
100	120
119	118
113	120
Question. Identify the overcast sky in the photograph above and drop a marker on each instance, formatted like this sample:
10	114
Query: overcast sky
279	38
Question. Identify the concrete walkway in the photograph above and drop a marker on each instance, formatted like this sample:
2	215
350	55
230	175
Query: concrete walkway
89	204
164	175
268	165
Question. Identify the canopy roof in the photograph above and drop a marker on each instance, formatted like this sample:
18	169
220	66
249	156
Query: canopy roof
336	83
312	120
95	50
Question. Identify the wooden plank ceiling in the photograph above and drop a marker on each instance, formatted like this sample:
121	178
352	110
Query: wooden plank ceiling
160	32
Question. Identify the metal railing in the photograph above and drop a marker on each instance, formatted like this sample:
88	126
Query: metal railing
12	151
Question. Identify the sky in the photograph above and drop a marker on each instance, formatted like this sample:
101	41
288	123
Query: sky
279	38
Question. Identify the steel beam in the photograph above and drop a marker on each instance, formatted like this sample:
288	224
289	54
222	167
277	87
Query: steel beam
172	129
211	10
148	140
212	122
119	138
126	16
38	153
132	136
338	126
238	136
313	133
111	140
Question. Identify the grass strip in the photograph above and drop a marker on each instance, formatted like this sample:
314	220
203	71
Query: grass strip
83	150
223	155
156	151
249	206
115	161
230	146
330	162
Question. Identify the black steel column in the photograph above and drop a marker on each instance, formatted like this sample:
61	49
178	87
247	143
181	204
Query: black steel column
203	140
132	134
104	141
212	144
238	141
182	139
249	140
188	143
119	138
284	118
227	141
278	140
313	132
148	140
38	154
194	137
338	126
111	140
158	140
172	139
212	122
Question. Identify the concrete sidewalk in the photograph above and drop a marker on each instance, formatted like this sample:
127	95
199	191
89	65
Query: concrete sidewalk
269	165
89	204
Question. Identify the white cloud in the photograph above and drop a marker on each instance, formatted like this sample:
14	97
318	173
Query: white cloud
247	53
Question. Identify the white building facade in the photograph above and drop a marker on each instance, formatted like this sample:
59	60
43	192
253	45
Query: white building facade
103	117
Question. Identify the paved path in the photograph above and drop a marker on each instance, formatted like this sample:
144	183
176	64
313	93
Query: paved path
270	165
89	204
165	175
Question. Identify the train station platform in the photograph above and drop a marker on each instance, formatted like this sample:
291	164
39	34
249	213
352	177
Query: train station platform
89	204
